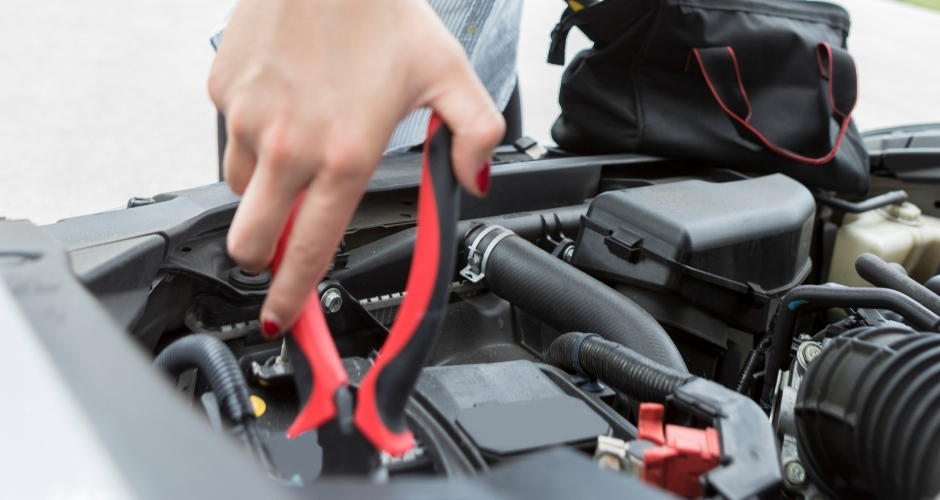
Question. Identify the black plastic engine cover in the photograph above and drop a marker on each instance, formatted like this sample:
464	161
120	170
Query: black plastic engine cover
730	248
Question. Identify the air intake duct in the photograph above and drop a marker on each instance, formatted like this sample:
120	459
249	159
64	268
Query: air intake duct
868	415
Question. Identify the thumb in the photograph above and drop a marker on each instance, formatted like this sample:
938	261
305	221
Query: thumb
477	127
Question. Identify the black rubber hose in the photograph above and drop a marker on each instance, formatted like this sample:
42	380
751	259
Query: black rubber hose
879	273
381	267
834	296
569	300
629	372
752	364
882	200
214	359
933	284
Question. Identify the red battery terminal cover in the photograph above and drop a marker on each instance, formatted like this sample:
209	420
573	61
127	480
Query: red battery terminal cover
683	454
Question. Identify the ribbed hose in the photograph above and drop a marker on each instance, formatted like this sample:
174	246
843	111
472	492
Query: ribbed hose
569	300
752	364
636	376
834	296
879	273
866	415
214	359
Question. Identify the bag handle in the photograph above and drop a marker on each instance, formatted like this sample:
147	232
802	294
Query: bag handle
835	65
556	51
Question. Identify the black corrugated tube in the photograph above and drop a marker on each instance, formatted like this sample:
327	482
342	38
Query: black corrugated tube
752	364
879	273
826	296
635	375
565	298
214	359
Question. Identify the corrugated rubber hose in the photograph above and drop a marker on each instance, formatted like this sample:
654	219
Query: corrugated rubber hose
214	359
635	375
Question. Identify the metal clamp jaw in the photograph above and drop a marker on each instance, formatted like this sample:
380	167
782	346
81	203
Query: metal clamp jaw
477	257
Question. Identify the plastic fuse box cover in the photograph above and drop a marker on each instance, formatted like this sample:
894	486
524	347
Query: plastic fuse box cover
731	248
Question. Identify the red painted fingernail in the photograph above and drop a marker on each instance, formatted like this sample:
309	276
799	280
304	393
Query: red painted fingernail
270	328
483	178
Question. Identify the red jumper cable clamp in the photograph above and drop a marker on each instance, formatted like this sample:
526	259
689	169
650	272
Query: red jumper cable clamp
380	409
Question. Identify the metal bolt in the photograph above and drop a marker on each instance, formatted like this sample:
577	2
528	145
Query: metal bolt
794	472
569	252
331	301
811	351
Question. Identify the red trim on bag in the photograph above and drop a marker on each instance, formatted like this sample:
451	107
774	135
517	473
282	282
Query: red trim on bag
737	74
745	121
829	77
822	68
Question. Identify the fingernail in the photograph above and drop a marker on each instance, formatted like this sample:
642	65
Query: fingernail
270	327
483	178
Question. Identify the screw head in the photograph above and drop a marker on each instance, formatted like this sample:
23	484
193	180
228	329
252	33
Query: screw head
331	301
794	472
811	351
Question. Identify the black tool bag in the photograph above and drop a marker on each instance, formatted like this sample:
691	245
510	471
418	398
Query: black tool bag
759	85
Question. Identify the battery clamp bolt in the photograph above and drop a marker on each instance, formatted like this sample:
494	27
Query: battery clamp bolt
331	301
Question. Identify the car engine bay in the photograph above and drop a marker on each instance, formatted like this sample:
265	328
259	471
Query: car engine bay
687	328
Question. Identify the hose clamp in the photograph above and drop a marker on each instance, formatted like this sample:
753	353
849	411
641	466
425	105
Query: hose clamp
477	257
576	353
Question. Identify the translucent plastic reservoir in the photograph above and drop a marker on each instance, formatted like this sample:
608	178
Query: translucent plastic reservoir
896	233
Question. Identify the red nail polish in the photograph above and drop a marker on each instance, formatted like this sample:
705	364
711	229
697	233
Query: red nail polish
270	328
483	178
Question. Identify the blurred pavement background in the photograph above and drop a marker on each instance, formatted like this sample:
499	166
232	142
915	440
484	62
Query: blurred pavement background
102	100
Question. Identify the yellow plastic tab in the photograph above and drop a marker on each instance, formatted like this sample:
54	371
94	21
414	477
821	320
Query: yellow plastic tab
258	405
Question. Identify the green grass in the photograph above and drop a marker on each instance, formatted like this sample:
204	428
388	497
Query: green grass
930	4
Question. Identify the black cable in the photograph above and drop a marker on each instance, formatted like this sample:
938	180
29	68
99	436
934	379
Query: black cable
882	200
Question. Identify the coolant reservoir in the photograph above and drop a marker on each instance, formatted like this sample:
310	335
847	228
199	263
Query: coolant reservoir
896	233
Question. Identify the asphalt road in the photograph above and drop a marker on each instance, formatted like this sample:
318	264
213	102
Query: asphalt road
102	100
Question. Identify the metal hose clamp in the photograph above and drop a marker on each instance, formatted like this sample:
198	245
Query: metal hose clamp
477	257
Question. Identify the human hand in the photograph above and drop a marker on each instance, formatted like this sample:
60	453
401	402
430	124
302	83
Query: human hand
311	92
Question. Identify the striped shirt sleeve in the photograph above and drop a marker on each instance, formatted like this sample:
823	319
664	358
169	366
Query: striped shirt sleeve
489	33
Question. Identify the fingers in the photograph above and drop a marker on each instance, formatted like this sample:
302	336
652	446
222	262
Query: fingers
477	127
326	210
239	164
264	208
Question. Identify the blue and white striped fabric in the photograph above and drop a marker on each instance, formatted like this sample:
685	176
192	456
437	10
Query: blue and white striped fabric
489	32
